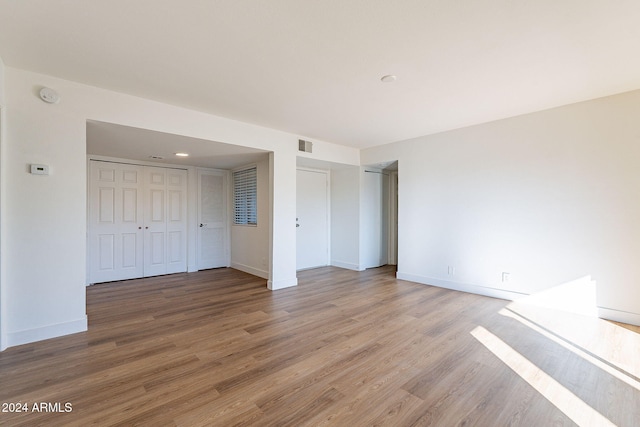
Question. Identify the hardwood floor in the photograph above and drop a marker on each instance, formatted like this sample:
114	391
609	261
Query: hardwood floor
216	348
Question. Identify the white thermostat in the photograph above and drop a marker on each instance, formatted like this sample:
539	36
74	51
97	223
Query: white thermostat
40	169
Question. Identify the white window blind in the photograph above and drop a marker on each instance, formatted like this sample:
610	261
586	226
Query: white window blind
245	197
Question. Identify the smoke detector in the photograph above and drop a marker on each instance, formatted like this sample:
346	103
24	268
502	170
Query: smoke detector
49	95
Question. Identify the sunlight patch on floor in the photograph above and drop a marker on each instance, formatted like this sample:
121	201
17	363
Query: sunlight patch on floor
605	366
567	402
569	313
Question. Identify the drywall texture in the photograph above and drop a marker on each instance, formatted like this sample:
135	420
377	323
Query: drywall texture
548	197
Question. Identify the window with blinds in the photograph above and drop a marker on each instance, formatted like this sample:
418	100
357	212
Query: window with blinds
245	196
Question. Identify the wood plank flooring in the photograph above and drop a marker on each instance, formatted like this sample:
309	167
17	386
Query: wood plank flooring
343	348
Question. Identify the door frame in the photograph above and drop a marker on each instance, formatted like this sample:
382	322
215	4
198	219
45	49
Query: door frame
327	173
393	218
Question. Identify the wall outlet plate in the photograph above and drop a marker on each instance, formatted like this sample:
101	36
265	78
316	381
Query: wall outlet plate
40	169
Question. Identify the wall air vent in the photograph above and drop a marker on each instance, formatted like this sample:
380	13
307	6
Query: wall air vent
305	146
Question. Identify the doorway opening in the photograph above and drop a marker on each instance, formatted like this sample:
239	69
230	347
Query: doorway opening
379	217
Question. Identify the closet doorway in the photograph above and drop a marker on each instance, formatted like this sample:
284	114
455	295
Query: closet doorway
137	221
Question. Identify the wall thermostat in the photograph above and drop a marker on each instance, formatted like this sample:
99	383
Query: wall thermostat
40	169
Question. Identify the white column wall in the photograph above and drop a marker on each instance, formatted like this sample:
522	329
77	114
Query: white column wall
282	169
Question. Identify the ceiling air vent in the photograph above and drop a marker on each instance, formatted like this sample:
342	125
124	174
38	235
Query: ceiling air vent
305	146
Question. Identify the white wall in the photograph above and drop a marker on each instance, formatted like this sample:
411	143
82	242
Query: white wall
44	217
282	203
548	197
2	91
345	217
3	342
250	244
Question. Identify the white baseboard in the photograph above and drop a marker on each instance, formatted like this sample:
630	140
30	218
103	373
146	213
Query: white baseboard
463	287
251	270
347	265
619	316
46	332
282	284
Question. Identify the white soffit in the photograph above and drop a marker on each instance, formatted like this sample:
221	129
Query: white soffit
124	142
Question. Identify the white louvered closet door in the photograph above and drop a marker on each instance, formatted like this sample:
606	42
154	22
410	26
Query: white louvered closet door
212	219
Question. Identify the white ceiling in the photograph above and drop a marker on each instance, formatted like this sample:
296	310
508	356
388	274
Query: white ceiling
313	68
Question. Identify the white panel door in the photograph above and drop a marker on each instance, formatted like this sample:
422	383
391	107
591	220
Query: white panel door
212	219
115	222
312	222
165	221
137	221
176	211
155	222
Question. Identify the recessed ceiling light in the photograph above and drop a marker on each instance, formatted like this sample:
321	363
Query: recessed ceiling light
182	154
389	78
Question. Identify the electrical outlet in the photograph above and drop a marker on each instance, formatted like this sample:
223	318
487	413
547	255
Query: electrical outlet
451	270
505	276
40	169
